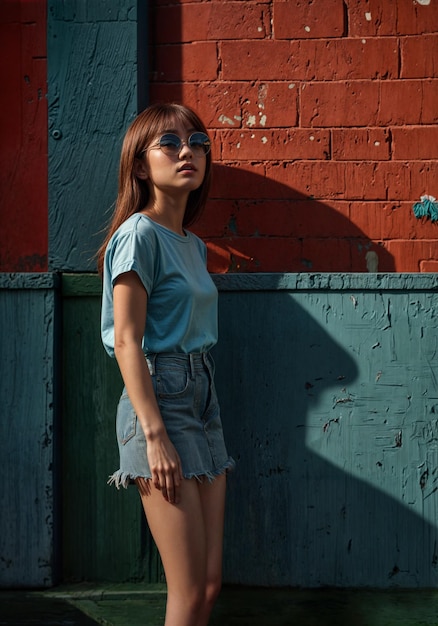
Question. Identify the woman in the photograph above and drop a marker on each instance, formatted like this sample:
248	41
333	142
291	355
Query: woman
159	320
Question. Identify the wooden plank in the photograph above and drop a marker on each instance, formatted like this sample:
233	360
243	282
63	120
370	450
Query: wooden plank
28	316
329	396
329	405
92	98
104	533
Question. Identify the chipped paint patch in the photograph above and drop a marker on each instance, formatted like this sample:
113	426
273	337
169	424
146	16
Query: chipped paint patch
223	119
368	17
251	120
263	120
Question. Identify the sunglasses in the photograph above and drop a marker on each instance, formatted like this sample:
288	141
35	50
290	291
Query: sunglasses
171	144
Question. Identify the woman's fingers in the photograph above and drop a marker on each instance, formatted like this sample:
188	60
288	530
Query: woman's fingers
167	478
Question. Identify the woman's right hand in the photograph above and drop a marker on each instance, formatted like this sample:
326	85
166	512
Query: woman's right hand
165	466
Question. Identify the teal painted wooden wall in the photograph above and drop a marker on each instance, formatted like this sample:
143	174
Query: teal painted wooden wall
92	93
28	437
329	400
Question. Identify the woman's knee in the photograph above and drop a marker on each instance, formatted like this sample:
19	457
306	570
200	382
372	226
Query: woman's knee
212	590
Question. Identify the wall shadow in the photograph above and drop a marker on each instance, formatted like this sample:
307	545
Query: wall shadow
288	373
255	224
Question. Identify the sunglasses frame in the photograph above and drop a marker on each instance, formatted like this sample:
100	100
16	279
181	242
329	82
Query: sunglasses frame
175	149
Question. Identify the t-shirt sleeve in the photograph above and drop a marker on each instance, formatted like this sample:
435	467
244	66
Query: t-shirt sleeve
134	251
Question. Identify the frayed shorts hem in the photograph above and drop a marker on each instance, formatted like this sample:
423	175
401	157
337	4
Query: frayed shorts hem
124	479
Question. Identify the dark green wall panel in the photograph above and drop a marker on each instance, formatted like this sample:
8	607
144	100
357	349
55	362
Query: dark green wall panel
329	400
104	535
92	80
28	516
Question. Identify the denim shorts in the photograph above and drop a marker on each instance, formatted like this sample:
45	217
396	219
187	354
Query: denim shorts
186	396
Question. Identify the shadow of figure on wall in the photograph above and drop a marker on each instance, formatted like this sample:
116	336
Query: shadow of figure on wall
324	413
255	224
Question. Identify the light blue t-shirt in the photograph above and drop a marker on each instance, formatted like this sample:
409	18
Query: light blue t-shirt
182	298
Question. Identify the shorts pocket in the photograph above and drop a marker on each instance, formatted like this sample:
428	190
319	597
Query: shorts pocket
126	420
172	383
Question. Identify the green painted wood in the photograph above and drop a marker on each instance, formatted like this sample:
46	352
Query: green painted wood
28	514
329	400
92	78
104	534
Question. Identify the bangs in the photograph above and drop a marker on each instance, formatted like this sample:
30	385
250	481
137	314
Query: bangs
168	116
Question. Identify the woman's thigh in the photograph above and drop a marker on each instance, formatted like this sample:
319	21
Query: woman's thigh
179	533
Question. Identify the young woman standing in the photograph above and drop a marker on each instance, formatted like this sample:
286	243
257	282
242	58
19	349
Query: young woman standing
159	320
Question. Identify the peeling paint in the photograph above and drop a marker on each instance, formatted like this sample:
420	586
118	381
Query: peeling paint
291	86
263	120
264	140
368	17
223	119
251	120
307	29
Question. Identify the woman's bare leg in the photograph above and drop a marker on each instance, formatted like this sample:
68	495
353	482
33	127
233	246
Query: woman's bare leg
213	508
189	539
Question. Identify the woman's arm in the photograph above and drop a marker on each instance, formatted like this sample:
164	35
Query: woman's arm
130	307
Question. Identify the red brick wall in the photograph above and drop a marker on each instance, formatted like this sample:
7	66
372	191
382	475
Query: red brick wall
23	129
324	118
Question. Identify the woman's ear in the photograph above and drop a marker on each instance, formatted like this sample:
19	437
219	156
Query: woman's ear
141	169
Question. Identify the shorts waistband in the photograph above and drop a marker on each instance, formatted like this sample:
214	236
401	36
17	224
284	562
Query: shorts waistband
194	362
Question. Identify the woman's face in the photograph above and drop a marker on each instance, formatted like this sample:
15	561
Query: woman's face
177	172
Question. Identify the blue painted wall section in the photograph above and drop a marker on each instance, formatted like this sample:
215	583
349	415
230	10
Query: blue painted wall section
329	395
28	450
329	401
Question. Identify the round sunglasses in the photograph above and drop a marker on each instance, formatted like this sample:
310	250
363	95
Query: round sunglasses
171	144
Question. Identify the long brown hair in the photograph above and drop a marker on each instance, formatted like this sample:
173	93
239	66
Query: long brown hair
133	192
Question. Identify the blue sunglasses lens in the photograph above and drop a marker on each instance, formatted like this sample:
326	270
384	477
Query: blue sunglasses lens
172	144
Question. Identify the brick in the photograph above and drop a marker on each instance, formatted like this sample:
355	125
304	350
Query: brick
375	103
340	104
218	103
359	256
292	218
303	19
330	180
408	102
217	220
410	180
390	220
380	18
429	266
218	257
419	142
419	56
270	104
262	145
211	21
195	61
344	59
409	255
250	60
265	254
370	144
326	255
245	181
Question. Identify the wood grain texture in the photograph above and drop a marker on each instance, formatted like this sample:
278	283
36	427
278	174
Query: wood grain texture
28	514
329	399
92	98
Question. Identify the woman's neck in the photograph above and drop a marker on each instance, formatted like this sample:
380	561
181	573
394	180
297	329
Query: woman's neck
170	215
